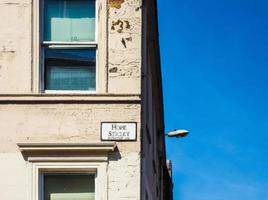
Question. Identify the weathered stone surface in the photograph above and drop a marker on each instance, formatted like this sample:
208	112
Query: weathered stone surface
124	65
66	123
116	3
15	46
119	63
15	182
59	123
121	187
124	43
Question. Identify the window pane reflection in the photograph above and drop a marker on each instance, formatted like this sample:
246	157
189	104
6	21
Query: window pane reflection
70	69
69	187
69	20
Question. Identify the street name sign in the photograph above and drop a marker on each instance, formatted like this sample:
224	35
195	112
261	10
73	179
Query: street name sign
119	131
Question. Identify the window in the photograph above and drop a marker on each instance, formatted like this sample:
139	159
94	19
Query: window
68	171
68	186
69	47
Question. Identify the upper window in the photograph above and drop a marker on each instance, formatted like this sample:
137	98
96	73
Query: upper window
69	45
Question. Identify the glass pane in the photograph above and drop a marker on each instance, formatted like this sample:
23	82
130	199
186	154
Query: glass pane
70	69
69	187
69	20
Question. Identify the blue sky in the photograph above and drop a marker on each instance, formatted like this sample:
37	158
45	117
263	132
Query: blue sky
215	74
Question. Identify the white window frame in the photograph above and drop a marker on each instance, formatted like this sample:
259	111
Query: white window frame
67	158
43	173
101	31
99	169
58	44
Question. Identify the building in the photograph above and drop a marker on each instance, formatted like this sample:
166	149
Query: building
81	108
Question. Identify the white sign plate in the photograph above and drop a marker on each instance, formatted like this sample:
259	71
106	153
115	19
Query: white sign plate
119	131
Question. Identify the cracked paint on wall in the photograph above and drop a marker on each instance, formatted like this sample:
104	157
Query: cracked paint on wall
124	46
47	122
116	3
120	25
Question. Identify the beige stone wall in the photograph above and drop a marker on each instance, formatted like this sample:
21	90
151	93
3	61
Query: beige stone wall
15	46
119	33
15	179
123	177
33	118
65	123
124	46
61	123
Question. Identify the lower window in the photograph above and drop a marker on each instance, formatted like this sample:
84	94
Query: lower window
70	69
68	186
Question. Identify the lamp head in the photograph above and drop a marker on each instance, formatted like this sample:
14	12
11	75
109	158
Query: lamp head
178	133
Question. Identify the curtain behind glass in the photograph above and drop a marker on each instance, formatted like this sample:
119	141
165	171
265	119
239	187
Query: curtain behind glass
69	187
70	69
69	20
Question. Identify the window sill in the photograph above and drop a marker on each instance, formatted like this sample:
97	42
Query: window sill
69	98
74	92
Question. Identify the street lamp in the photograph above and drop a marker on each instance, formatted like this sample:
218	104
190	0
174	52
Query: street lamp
177	133
167	168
